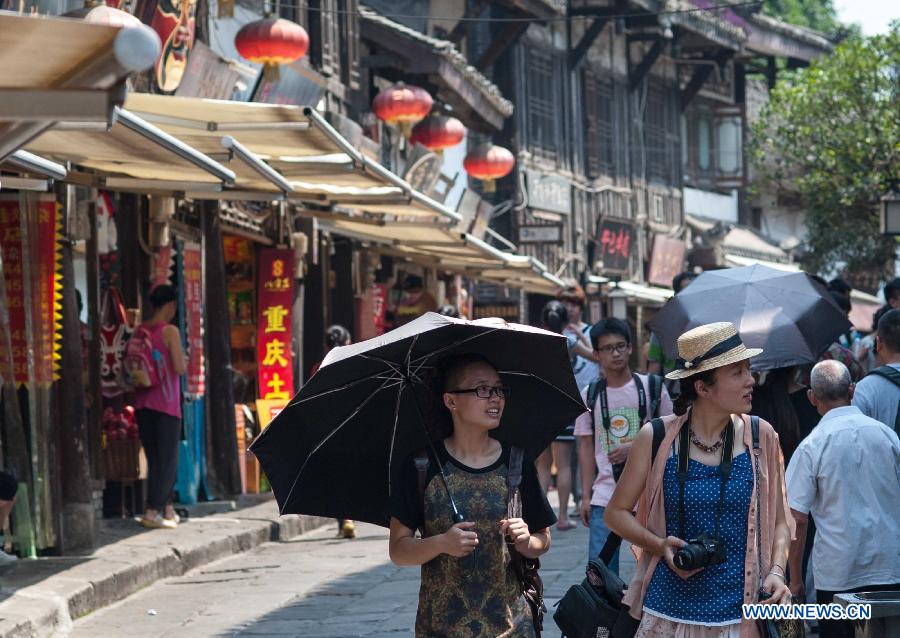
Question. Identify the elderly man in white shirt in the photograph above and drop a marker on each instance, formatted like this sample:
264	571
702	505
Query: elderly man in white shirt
846	473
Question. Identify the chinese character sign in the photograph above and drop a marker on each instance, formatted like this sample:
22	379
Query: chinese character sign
616	241
273	340
666	261
30	248
193	300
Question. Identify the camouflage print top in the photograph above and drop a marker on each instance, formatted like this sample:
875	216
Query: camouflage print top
456	602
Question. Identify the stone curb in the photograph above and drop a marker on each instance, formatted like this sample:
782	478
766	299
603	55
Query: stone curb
119	569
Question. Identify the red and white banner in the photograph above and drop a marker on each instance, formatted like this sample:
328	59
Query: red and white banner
193	306
275	293
30	251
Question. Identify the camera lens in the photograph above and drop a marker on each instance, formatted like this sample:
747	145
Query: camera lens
691	556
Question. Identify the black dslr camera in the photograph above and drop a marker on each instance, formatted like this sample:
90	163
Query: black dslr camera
703	551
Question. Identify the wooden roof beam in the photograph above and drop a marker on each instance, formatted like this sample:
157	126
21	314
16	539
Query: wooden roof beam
587	39
503	41
636	76
701	74
461	30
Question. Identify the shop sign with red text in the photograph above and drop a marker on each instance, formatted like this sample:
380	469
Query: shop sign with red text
273	342
193	303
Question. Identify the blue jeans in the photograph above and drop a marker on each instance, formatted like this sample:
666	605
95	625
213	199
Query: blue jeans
599	534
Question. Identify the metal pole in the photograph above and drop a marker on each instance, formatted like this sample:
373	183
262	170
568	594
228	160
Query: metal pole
143	128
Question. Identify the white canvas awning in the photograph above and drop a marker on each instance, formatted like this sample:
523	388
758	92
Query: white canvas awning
60	69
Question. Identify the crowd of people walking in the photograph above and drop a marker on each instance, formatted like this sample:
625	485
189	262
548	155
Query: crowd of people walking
737	474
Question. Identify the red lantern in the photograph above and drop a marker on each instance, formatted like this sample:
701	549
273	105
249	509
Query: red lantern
271	42
489	163
437	132
402	105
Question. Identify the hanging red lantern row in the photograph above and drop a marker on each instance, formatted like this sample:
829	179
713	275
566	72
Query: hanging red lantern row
438	132
402	105
272	42
489	163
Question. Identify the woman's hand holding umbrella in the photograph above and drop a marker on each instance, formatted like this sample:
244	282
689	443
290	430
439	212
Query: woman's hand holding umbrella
459	541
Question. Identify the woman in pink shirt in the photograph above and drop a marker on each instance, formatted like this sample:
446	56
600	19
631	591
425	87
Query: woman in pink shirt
158	409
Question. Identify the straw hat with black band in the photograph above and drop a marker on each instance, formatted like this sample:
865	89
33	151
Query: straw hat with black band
709	346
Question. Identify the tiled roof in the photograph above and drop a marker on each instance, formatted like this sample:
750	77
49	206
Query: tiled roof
803	34
450	53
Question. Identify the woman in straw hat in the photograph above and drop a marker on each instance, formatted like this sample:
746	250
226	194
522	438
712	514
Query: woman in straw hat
711	492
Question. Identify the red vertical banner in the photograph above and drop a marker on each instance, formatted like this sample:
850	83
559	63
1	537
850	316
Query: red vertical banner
30	251
13	274
379	307
273	342
193	300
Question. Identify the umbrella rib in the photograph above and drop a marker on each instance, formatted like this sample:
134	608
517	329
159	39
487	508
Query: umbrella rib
542	380
394	434
331	434
346	386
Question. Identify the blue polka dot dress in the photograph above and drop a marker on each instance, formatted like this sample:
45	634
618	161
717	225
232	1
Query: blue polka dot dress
713	596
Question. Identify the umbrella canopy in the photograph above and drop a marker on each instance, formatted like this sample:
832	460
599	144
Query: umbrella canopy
335	448
789	315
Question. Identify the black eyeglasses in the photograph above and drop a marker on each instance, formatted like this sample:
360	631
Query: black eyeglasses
484	391
618	347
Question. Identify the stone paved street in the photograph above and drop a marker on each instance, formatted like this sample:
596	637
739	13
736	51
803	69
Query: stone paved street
312	586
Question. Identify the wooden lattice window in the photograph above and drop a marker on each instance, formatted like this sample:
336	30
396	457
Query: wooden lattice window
599	140
543	107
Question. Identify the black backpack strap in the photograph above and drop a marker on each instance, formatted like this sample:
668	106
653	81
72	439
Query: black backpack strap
754	430
513	480
422	464
610	547
889	373
596	386
656	384
614	541
659	433
642	397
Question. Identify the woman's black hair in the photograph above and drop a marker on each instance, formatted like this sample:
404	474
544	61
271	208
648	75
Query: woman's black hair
772	402
842	301
446	377
161	295
554	316
336	335
689	392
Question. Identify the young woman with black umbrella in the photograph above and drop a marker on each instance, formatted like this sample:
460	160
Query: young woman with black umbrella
468	585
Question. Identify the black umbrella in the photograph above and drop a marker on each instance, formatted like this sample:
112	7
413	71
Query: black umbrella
791	316
335	448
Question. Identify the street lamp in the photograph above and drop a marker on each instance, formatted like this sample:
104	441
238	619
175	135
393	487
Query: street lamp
890	214
618	302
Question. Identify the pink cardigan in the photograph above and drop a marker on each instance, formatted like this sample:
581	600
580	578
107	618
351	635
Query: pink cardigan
651	513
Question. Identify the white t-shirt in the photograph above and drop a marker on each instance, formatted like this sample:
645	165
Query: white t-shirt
625	423
846	473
